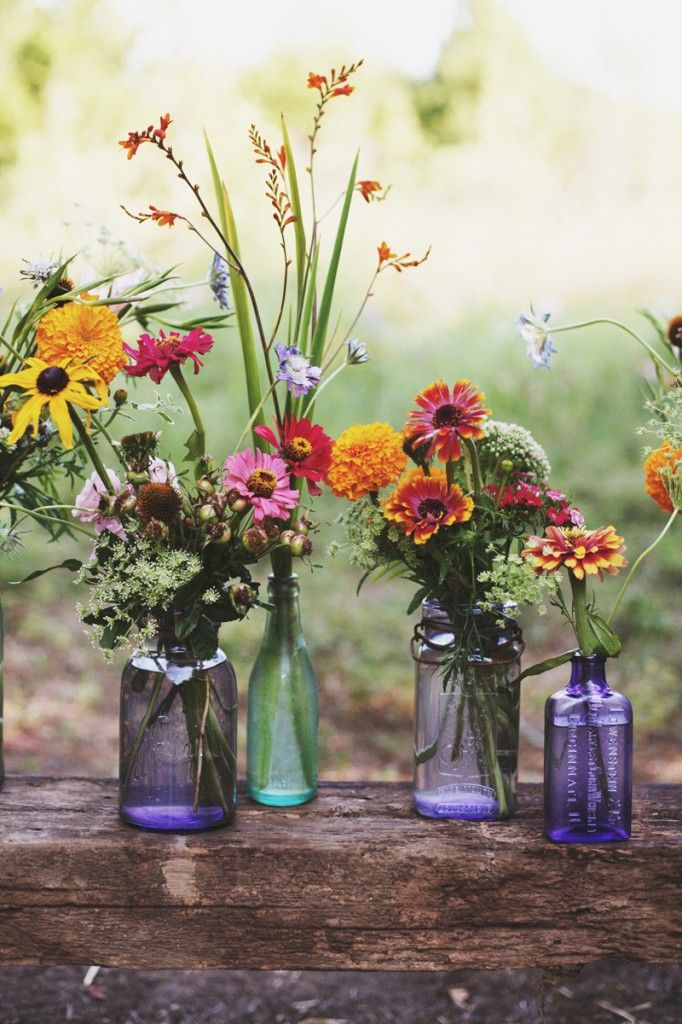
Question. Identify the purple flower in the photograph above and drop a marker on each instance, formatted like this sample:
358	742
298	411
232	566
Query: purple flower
577	518
296	370
94	504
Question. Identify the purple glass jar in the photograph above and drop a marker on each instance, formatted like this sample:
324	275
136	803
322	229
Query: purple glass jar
178	737
588	758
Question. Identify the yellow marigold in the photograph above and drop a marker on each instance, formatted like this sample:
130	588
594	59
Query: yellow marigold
366	457
659	469
87	334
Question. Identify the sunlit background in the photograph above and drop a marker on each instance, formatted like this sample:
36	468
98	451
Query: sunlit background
536	147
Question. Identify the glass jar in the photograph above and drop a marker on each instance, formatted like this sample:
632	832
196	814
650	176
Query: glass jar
178	736
2	681
588	758
281	737
466	718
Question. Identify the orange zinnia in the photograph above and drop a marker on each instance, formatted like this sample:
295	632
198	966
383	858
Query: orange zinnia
85	334
365	458
584	552
659	468
422	504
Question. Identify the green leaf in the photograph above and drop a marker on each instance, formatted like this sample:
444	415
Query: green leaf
547	664
607	638
72	564
186	621
417	599
299	228
112	634
426	754
301	339
195	448
320	335
204	639
240	297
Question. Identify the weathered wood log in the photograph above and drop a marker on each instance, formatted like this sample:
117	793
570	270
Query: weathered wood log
353	880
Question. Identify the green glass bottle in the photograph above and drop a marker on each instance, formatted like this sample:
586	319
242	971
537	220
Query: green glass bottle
281	736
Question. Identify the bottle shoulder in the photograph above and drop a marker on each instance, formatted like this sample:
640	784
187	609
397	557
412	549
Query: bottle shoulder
589	708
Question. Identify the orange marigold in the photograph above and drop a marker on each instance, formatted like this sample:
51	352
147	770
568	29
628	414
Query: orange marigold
421	504
584	552
87	334
365	458
659	468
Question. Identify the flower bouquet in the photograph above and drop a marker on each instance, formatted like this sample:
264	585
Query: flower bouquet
60	350
453	525
287	365
588	732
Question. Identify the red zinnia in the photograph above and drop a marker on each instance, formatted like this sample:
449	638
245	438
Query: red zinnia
444	416
305	448
154	356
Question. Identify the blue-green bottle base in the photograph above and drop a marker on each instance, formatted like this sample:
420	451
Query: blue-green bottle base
272	799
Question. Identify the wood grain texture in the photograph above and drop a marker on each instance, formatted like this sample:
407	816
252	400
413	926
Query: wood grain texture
354	880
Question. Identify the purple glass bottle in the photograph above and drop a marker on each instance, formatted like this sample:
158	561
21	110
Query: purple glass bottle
588	758
178	736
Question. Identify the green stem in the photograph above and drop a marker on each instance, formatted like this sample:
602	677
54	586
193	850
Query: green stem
90	448
581	623
131	760
50	519
658	360
472	454
638	561
177	375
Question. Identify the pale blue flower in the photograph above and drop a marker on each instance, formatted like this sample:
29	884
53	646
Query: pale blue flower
219	282
39	271
533	330
296	370
357	352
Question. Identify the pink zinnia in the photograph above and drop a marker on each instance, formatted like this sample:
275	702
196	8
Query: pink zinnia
155	356
94	504
264	481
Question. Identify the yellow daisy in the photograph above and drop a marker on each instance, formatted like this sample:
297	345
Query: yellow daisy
59	386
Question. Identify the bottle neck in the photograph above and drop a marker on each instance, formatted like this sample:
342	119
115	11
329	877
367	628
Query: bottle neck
283	594
587	675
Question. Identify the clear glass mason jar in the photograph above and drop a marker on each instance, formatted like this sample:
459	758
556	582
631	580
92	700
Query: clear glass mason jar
178	737
281	735
466	720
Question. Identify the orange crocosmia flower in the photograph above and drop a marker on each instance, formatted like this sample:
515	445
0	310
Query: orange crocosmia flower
385	253
661	463
133	143
343	90
283	158
446	416
584	552
164	121
164	218
368	188
316	81
421	504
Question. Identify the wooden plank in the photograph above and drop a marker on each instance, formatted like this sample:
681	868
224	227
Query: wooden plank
353	880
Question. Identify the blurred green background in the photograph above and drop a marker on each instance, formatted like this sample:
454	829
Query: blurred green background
533	175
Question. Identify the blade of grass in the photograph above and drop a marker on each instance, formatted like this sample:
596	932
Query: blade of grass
322	324
240	298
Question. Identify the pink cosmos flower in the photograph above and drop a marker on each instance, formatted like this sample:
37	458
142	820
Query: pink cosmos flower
94	504
264	481
155	356
162	472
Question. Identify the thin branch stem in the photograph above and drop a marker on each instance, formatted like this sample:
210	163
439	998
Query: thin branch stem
178	377
90	448
658	359
638	561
